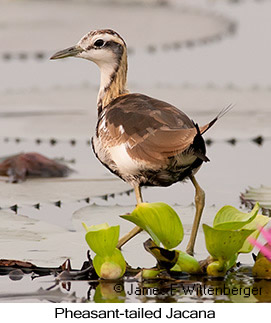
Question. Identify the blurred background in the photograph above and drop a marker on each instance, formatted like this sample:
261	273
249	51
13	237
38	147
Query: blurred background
199	55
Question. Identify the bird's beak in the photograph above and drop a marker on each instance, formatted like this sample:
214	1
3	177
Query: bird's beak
68	52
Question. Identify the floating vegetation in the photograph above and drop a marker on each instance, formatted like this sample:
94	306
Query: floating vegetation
176	273
262	195
227	238
160	221
103	239
262	266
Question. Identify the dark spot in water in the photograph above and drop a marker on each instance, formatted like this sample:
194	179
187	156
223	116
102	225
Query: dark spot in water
258	140
53	141
151	49
7	56
58	203
87	200
208	141
23	56
189	43
14	208
37	206
232	141
39	55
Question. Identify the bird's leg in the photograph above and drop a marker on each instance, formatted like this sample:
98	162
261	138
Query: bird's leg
136	229
199	201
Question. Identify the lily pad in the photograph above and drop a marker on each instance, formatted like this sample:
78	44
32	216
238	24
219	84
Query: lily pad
224	244
261	194
230	218
160	221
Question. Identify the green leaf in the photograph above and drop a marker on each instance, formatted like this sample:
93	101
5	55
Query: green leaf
150	273
224	244
229	218
110	267
260	220
160	221
96	227
103	239
262	268
217	269
165	258
186	263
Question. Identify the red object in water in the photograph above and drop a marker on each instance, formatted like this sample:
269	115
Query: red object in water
21	166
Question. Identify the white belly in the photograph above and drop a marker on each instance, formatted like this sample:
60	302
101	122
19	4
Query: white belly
116	158
123	160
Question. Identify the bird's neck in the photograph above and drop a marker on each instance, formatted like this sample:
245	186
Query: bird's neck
113	82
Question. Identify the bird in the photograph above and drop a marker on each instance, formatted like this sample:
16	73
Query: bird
142	140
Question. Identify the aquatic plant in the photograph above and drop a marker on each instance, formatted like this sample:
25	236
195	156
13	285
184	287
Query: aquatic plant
227	238
165	227
262	266
160	221
264	249
224	241
109	262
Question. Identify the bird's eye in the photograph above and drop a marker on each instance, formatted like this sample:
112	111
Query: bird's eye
99	43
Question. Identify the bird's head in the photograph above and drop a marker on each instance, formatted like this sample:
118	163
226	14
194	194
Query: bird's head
103	47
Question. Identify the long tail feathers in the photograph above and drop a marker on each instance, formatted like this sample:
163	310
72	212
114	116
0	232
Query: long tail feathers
220	115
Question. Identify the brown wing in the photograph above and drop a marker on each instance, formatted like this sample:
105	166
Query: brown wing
152	130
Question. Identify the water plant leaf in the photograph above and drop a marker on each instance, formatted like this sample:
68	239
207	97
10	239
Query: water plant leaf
110	267
262	268
260	220
165	258
150	273
230	218
160	221
224	244
217	269
186	263
96	227
103	239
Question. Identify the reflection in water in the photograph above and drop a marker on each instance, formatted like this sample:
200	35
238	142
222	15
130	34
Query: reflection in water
237	287
109	293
